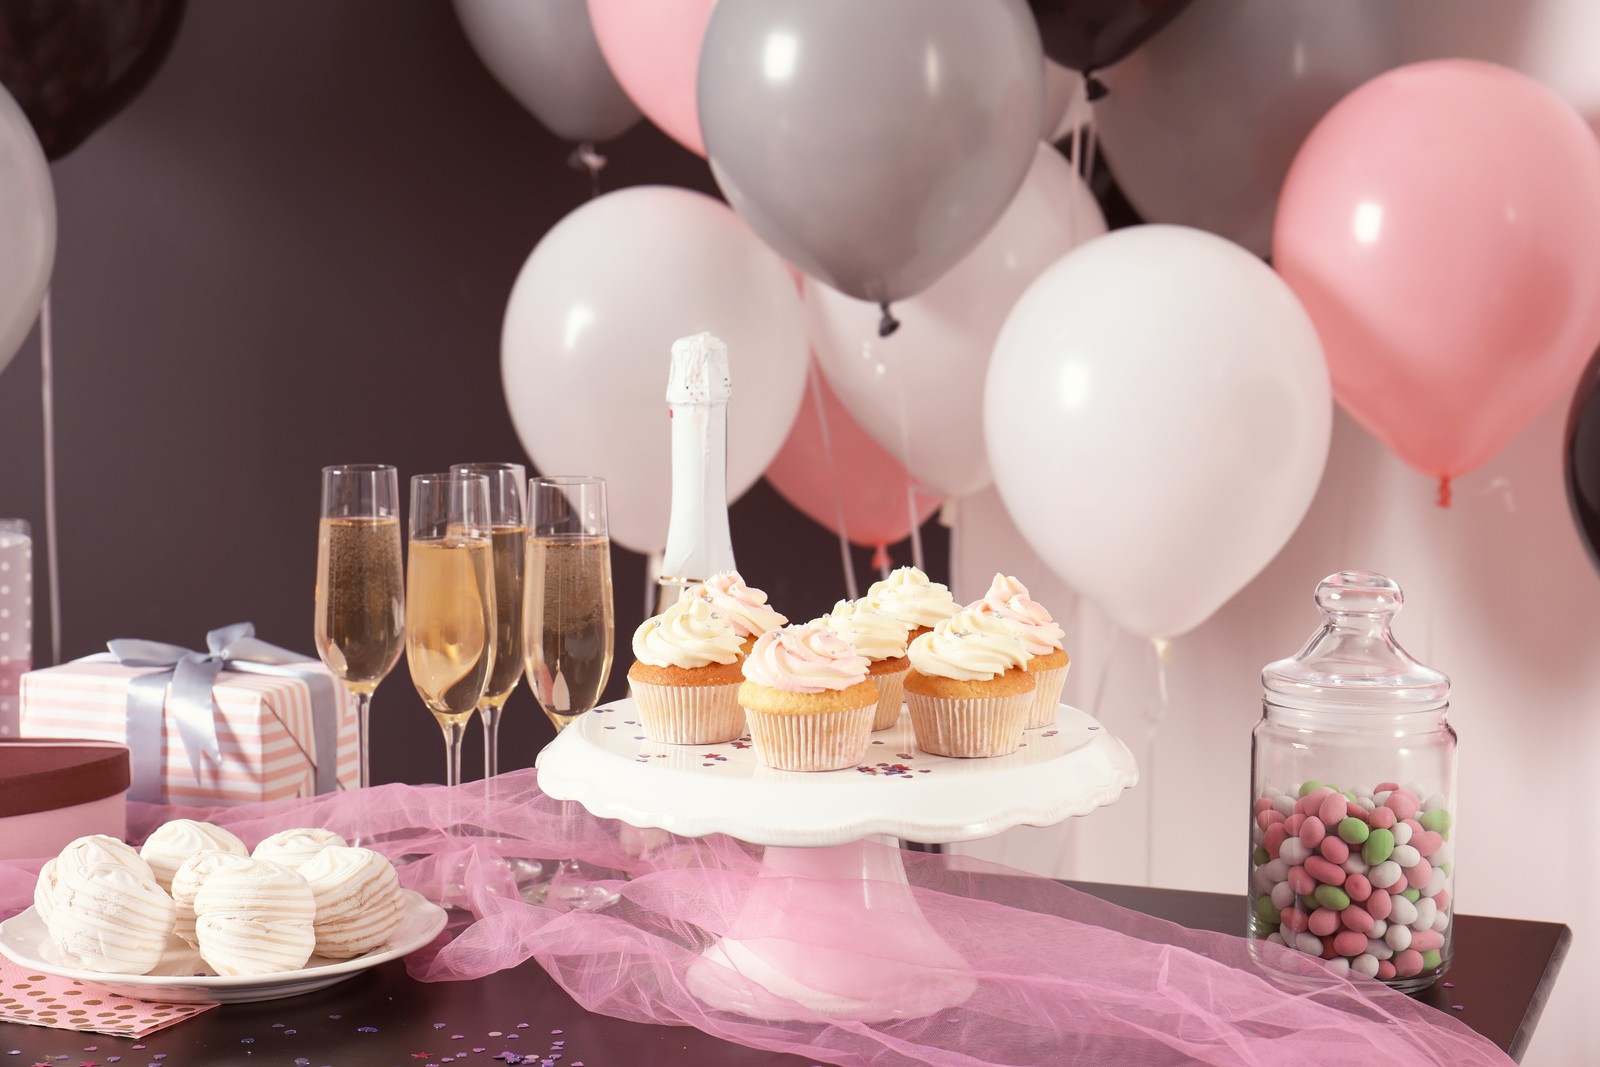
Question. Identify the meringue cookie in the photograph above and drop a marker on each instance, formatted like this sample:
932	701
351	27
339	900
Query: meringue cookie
358	898
186	883
255	918
173	842
44	891
293	847
108	915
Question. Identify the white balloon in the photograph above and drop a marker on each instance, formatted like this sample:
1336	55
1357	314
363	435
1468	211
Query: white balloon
27	227
919	392
588	336
1158	414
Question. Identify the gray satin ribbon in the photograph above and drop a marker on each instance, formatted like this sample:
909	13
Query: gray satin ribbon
189	676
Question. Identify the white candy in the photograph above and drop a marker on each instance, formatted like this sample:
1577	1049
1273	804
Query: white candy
1378	927
1403	913
1379	798
1257	835
1355	864
1398	937
1338	965
1435	883
1434	802
1378	948
1262	880
1277	870
1365	800
1282	896
1405	855
1283	805
1384	875
1293	852
1275	937
1308	943
1441	921
1427	911
1443	855
1366	964
1402	836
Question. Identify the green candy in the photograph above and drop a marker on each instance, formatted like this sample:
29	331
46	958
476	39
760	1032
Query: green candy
1309	902
1260	856
1430	959
1305	789
1436	820
1413	894
1445	867
1379	846
1352	831
1266	911
1331	896
1351	797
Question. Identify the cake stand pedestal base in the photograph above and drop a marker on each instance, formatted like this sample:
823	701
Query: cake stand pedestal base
882	959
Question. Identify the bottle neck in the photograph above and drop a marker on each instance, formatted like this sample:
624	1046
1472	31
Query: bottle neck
699	542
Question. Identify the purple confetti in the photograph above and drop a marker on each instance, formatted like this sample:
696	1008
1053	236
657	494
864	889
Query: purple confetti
247	1041
158	1056
290	1033
366	1029
522	1026
558	1031
1458	1007
477	1048
301	1061
1449	985
458	1037
439	1026
336	1016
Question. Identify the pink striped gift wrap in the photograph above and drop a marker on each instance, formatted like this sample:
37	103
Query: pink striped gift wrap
263	729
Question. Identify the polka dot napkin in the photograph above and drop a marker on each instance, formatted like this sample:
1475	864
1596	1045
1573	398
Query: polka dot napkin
41	1000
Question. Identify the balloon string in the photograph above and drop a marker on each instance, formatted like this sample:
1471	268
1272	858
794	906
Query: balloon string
1443	499
47	411
1091	141
586	158
888	324
814	383
1152	728
916	528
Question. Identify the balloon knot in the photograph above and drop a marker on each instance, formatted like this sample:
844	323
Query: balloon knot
880	558
1094	88
1443	499
587	159
888	324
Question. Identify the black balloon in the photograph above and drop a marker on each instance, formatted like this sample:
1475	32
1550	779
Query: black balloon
73	64
1582	459
1090	35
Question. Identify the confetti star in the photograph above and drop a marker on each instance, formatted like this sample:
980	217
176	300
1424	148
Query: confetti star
422	1055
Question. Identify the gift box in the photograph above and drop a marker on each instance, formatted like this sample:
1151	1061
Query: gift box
245	722
52	791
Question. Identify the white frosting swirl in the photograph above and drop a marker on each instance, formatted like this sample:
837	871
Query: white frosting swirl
909	596
689	634
969	646
808	658
173	842
745	607
1008	598
875	635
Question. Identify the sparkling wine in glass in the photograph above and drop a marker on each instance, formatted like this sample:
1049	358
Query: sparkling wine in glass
450	612
507	531
360	599
567	628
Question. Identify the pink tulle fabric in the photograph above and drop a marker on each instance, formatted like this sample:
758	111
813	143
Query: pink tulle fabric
1058	976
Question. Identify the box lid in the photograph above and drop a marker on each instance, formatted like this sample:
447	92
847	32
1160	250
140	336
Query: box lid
42	774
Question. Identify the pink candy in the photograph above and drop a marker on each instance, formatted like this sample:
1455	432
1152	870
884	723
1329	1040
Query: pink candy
1266	818
1382	818
1420	874
1301	882
1323	922
1385	970
1379	904
1357	888
1427	843
1357	919
1442	899
1293	919
1333	849
1324	872
1350	943
1274	839
1403	803
1332	809
1408	963
1312	832
1425	940
1294	822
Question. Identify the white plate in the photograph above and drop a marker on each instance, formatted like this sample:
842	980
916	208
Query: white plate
604	762
24	940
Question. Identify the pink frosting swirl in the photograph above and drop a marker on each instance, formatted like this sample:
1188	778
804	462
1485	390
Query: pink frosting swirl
744	607
807	658
1008	598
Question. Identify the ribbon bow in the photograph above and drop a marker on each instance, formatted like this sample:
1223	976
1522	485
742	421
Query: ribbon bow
189	676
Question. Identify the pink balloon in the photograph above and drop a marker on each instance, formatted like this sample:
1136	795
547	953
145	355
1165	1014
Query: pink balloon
653	49
1442	226
861	485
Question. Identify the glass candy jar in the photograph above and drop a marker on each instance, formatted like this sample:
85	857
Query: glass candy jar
1352	777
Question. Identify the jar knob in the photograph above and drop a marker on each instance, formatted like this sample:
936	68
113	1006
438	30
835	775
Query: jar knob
1359	593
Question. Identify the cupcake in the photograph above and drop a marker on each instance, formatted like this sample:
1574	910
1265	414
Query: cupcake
1047	663
808	700
685	677
968	690
882	639
907	595
746	608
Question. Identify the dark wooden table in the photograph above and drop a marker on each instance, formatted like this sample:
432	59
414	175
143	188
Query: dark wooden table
1501	976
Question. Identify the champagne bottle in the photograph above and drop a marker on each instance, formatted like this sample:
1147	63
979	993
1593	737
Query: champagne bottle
698	541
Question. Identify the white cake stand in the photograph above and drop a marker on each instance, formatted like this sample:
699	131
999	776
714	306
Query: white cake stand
821	866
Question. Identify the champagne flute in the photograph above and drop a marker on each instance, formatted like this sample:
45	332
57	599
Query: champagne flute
450	612
360	623
508	530
567	624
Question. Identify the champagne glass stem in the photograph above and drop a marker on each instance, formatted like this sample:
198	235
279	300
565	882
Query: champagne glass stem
364	736
490	714
453	732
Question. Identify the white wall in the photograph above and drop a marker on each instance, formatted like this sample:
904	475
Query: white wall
1499	595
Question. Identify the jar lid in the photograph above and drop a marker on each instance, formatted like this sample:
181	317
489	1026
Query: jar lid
1353	661
40	774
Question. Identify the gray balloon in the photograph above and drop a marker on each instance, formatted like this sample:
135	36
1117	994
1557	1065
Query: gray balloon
1201	123
544	53
871	143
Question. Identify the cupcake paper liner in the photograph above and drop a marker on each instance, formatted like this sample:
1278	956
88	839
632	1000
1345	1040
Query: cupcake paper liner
828	741
975	726
1047	686
689	714
891	694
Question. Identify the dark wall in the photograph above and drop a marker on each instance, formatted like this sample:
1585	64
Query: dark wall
294	250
